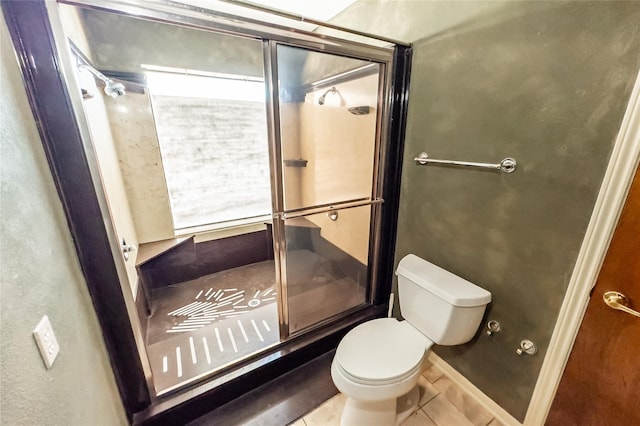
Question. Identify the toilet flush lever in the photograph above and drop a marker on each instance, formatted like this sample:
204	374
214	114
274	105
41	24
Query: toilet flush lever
527	347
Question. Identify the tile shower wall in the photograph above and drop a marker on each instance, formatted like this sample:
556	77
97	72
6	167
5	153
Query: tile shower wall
340	148
544	82
95	110
138	150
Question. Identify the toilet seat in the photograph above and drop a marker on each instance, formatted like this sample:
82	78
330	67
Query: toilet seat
373	382
381	352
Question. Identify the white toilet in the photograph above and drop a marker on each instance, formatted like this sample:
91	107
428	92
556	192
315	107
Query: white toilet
378	363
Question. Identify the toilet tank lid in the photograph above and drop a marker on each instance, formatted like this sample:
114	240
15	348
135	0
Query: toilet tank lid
447	286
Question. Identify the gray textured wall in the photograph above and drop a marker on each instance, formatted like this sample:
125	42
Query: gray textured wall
41	275
545	83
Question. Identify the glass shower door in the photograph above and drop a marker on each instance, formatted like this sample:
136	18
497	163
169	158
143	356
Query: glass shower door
328	140
326	264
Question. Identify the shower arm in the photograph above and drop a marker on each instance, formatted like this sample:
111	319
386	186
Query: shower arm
111	87
83	62
324	95
95	72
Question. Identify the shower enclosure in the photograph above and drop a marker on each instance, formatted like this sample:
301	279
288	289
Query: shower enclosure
245	176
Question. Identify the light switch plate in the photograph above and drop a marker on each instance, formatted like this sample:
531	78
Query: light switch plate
46	340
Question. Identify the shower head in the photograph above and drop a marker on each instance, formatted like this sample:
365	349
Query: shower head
322	98
111	87
114	89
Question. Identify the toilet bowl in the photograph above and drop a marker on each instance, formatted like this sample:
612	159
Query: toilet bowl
375	364
378	363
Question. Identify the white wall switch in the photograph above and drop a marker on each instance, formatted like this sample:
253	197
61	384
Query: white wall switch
46	340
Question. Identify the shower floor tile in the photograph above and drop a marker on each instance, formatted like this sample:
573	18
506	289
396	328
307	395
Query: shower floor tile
194	354
207	324
213	297
204	325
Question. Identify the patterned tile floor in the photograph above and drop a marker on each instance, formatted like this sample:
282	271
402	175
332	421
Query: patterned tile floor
442	403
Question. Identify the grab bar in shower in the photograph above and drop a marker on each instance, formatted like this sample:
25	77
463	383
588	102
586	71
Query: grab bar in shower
508	165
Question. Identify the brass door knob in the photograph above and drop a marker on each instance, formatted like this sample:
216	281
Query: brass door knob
619	301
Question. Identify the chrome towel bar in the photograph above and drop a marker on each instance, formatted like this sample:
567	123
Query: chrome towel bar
329	208
508	165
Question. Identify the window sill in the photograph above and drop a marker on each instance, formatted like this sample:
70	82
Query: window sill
232	228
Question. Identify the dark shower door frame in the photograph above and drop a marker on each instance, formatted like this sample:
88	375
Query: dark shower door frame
73	168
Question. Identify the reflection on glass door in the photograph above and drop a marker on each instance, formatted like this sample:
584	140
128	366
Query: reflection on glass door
327	256
183	152
328	120
186	166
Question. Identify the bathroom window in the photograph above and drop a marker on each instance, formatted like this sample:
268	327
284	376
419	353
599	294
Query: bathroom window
212	134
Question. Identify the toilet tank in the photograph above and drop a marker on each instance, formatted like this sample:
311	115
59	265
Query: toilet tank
442	306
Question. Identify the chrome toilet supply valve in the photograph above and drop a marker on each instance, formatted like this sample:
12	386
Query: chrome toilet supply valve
493	327
527	347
